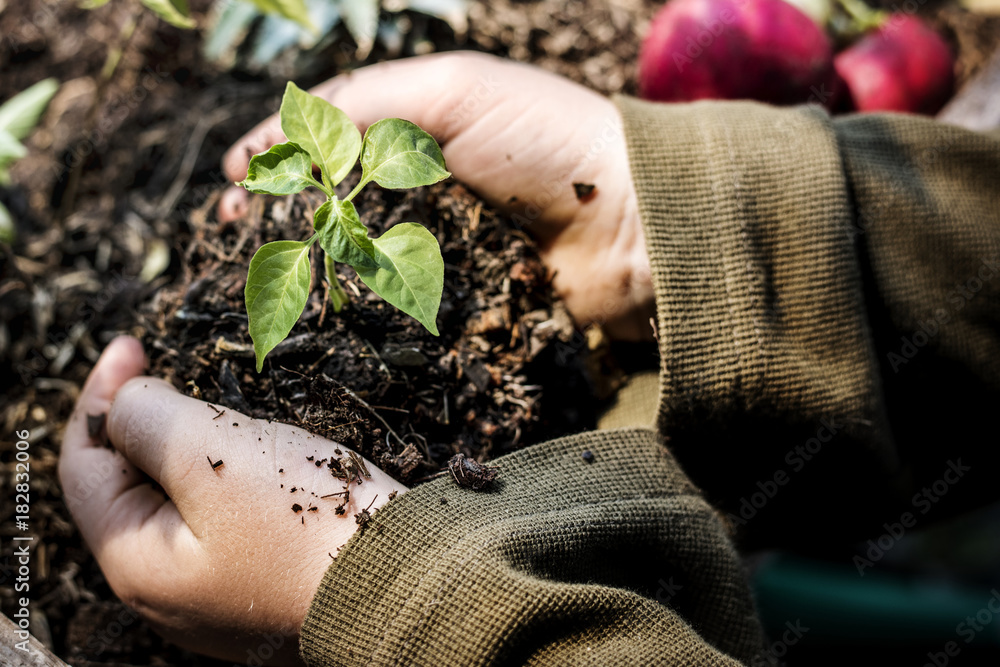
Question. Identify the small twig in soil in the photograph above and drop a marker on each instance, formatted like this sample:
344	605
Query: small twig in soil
330	352
377	416
359	465
190	159
381	364
326	299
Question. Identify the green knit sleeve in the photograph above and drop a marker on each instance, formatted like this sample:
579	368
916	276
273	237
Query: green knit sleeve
588	550
792	257
794	260
926	223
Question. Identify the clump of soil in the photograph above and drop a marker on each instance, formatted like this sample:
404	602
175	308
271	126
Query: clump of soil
371	377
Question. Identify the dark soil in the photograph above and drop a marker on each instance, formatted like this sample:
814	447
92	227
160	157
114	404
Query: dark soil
373	378
117	233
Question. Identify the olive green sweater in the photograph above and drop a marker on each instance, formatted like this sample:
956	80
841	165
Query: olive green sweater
827	316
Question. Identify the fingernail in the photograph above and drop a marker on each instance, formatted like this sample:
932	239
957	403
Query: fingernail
233	205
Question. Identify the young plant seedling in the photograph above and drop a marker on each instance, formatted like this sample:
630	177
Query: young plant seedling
404	266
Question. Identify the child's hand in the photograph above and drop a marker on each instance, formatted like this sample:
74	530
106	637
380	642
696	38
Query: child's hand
221	564
513	131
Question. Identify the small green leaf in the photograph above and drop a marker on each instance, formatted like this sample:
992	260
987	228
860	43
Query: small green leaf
7	231
410	272
323	130
10	148
92	4
283	170
20	114
295	10
276	293
342	235
174	12
397	154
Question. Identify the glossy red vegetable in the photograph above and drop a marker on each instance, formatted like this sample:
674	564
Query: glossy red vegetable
904	65
764	50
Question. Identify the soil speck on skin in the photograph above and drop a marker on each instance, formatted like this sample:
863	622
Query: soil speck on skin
95	425
585	192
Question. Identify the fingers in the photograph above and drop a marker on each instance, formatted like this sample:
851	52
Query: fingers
410	89
233	204
171	436
108	496
421	90
493	118
93	475
204	455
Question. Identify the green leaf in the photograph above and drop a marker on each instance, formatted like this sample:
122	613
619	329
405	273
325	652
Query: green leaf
93	4
397	154
20	114
276	293
10	148
323	130
283	170
174	12
295	10
410	272
342	235
7	231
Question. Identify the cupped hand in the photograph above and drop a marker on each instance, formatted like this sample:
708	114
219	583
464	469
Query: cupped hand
213	555
523	139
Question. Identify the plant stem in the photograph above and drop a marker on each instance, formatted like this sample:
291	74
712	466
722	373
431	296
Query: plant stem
356	190
338	297
322	186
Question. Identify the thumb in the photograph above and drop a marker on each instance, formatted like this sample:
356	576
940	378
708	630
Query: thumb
430	91
92	475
